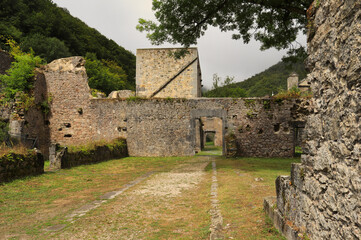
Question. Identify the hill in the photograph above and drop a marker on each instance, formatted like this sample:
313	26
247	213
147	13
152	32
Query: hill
53	33
261	84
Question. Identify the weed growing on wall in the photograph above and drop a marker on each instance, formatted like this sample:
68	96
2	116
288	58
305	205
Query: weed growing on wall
19	77
87	148
134	99
292	93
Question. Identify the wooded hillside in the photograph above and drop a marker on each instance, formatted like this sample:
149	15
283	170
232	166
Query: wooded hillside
53	33
271	80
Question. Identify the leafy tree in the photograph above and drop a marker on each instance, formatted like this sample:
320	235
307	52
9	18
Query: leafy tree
60	34
105	76
275	23
19	76
49	48
220	88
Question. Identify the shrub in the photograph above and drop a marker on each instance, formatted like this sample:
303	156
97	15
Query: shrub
19	77
292	93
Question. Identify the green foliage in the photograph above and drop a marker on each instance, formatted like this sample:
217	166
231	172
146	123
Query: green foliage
87	148
4	130
219	89
53	33
105	76
265	83
134	99
24	101
292	93
95	92
49	48
275	23
45	105
19	77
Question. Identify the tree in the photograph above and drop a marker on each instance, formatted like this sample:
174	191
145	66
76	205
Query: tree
275	23
105	76
19	77
222	88
49	48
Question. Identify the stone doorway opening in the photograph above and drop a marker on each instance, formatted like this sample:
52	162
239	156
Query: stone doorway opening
210	135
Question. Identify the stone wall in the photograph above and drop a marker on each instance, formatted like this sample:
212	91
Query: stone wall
161	127
116	149
322	198
156	66
213	125
71	117
13	166
5	61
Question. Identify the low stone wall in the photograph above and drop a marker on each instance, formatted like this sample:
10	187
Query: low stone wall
13	166
99	154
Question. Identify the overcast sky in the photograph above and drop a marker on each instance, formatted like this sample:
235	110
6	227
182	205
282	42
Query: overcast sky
117	19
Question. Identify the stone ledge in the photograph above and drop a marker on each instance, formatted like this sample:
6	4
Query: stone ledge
270	208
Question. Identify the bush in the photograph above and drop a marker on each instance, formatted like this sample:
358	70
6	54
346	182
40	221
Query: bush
292	93
19	77
105	76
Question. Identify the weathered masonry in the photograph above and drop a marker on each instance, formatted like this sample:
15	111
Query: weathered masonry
160	127
322	197
160	75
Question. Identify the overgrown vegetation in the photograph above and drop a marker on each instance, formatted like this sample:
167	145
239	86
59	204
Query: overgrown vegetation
16	149
53	33
104	75
86	148
292	93
272	80
135	99
19	77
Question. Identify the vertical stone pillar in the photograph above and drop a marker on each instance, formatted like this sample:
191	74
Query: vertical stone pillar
55	161
292	81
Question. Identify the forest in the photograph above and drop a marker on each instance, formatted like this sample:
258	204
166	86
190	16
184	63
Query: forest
272	80
52	33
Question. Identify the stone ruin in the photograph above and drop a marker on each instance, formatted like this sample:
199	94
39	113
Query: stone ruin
165	126
322	197
160	75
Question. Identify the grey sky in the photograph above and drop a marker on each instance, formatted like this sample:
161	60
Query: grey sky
117	19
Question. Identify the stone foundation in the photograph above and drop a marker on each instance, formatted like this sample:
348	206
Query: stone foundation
14	166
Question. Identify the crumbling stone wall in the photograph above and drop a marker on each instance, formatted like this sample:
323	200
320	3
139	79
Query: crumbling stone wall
71	119
156	66
13	166
161	127
322	198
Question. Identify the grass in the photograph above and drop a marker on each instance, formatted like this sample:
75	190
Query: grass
241	196
17	149
210	150
29	205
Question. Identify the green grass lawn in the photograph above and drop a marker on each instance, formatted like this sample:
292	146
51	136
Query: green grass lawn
28	205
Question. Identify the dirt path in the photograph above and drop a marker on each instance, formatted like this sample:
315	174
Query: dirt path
166	204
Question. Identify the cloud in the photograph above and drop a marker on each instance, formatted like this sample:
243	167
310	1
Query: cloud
219	54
